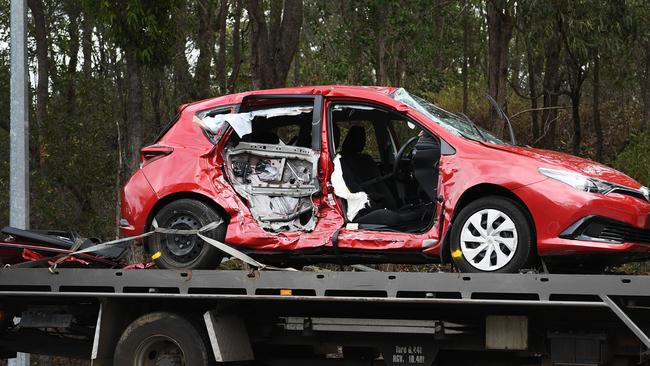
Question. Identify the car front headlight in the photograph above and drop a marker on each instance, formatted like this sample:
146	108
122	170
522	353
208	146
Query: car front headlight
578	181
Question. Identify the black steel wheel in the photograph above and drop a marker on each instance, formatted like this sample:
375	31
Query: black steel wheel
163	339
187	251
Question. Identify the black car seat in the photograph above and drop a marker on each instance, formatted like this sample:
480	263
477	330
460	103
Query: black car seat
426	158
359	168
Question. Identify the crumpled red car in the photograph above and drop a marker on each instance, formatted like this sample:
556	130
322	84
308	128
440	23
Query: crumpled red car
351	174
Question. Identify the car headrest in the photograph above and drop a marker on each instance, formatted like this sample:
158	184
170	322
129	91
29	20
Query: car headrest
355	140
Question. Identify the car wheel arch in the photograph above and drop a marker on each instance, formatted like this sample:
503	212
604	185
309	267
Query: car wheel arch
478	191
162	202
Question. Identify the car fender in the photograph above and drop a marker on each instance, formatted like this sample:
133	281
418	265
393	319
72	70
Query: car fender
470	168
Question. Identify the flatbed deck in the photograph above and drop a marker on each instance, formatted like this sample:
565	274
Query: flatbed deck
542	289
282	310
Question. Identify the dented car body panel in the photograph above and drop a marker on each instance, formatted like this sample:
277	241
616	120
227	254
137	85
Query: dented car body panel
201	167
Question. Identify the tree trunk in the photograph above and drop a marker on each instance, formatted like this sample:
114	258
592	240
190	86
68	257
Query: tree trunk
236	48
221	54
87	44
596	108
296	68
499	33
575	116
381	57
438	30
465	56
182	79
532	85
205	43
42	95
551	85
134	129
73	10
273	44
645	89
156	95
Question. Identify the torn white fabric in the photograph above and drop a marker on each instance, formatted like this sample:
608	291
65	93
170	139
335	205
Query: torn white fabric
356	201
242	122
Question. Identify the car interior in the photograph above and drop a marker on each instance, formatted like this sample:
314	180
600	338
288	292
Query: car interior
382	153
391	159
274	168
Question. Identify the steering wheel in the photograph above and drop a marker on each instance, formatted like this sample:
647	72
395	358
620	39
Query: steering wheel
398	158
401	152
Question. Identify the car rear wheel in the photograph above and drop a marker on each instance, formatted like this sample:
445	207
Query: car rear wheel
187	251
492	234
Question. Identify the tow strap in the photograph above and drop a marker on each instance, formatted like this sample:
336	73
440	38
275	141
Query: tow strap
161	230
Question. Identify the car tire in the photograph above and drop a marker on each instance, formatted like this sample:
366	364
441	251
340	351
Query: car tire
492	234
162	337
187	252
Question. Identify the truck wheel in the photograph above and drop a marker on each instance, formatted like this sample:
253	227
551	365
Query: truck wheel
185	252
491	234
162	339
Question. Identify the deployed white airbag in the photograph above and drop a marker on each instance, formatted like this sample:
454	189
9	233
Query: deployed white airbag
356	201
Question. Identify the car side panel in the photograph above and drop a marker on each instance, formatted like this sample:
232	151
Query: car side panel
471	166
138	198
196	167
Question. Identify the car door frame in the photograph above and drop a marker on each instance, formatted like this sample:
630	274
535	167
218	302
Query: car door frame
317	114
353	238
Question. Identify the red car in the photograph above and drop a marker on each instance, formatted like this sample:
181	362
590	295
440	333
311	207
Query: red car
373	174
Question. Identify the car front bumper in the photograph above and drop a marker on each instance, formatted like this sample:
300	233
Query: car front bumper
569	221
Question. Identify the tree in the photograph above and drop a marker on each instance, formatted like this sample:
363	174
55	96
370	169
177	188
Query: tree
645	85
274	41
500	24
205	41
143	31
43	73
236	46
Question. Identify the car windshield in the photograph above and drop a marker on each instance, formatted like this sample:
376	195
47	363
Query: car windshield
455	123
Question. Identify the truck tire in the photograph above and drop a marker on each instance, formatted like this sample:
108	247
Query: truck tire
187	252
492	234
162	338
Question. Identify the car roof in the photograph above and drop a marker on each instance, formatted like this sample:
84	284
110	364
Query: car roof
326	90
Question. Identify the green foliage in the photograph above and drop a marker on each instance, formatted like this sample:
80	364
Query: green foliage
141	25
634	160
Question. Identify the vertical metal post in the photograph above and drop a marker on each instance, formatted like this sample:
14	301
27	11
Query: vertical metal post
19	128
19	131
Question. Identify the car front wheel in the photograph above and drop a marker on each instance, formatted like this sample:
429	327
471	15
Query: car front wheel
492	234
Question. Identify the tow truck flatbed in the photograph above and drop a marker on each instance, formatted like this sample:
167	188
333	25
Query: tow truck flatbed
332	317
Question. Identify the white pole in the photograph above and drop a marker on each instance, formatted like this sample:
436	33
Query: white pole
19	128
19	131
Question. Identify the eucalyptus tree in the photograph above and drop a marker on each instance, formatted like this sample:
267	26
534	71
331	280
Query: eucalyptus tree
143	31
